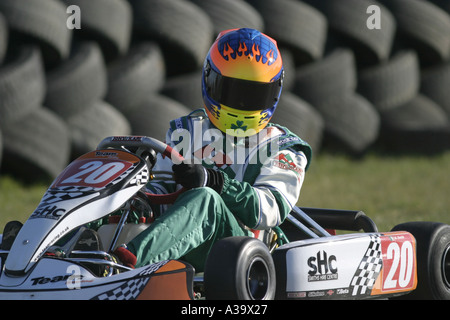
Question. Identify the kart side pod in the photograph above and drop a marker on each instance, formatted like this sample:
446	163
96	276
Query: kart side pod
355	266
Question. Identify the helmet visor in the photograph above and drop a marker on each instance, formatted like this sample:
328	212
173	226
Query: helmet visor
242	94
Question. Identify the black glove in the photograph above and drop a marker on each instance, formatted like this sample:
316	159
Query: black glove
195	175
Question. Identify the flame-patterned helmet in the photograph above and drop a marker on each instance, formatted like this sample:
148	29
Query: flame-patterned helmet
242	81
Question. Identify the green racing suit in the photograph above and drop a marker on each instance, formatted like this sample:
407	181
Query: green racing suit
263	175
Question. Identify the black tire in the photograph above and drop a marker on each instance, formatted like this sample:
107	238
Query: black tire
230	14
434	83
42	22
422	26
22	85
415	142
152	117
351	123
301	118
186	89
132	77
348	27
107	22
443	4
3	38
89	127
289	68
420	113
182	29
433	259
77	82
239	268
1	147
333	75
418	126
36	146
393	83
295	25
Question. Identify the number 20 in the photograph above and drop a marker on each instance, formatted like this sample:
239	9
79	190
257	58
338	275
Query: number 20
100	172
403	258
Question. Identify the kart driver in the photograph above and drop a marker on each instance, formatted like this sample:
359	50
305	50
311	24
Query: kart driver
243	174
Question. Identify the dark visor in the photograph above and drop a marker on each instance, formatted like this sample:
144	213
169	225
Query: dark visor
242	94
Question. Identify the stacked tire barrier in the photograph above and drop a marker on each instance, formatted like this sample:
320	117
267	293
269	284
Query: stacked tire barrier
360	74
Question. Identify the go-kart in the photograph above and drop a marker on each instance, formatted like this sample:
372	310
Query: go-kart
302	260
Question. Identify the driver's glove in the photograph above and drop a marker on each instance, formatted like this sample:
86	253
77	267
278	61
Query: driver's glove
196	175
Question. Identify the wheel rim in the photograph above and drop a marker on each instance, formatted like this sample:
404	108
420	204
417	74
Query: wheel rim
257	279
446	267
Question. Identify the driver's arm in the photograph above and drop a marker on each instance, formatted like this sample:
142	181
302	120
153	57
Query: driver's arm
267	202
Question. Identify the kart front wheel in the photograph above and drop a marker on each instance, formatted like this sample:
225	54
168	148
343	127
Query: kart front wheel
433	259
239	268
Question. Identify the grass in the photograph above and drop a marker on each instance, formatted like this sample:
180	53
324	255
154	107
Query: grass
18	200
389	189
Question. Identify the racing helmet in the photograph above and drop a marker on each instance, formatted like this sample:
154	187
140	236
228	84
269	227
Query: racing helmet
242	81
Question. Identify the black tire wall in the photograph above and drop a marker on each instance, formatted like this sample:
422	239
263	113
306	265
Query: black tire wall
134	64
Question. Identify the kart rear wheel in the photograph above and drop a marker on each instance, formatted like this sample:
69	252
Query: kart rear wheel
433	259
240	268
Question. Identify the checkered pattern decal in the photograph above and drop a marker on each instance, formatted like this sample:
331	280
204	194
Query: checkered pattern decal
65	193
141	178
72	192
131	288
369	268
127	291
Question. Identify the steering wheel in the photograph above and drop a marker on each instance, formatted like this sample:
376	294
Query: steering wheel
149	144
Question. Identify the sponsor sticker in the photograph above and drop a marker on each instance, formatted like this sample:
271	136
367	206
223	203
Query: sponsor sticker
399	263
285	161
